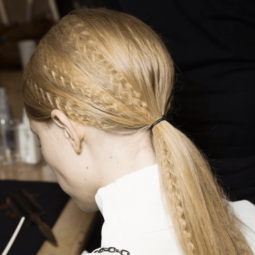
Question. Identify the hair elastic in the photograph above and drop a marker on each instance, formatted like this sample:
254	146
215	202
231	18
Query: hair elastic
157	121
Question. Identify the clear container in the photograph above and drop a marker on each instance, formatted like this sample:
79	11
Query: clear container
9	147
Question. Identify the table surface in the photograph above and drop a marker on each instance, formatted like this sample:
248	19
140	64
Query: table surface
73	225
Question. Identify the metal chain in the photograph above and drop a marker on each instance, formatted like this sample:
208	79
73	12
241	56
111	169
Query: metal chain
112	250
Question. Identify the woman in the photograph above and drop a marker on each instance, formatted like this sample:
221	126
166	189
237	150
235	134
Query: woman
96	91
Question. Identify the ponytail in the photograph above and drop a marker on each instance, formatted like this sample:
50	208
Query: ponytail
201	217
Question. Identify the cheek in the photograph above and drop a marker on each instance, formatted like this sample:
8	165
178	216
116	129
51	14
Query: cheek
73	177
57	166
62	168
63	182
82	194
52	155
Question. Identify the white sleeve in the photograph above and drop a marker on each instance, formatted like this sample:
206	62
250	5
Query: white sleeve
245	211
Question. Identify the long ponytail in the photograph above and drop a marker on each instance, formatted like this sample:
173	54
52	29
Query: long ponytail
202	219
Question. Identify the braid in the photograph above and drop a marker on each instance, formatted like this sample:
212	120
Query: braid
202	220
89	95
172	191
87	48
119	98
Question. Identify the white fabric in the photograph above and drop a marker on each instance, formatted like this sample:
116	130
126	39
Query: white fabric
135	219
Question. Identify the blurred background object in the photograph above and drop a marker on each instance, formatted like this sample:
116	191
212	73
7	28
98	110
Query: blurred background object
8	134
21	20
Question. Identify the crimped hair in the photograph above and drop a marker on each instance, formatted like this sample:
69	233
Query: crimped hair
111	71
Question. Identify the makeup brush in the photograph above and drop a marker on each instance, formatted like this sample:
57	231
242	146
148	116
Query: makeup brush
22	207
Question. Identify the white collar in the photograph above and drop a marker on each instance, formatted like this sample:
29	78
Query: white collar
132	204
132	208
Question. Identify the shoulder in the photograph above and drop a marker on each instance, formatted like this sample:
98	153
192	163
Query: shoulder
244	210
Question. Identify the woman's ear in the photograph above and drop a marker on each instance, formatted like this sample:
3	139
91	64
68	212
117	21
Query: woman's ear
71	131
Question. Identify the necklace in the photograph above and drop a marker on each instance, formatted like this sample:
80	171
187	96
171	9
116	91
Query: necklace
112	250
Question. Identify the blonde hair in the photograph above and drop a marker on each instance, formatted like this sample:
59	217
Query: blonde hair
111	71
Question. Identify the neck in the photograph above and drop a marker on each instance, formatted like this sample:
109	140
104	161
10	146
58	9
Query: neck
120	155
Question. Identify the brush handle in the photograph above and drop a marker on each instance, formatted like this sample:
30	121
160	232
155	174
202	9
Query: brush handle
7	248
26	209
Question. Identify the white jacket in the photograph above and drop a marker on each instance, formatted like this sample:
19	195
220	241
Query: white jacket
135	219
